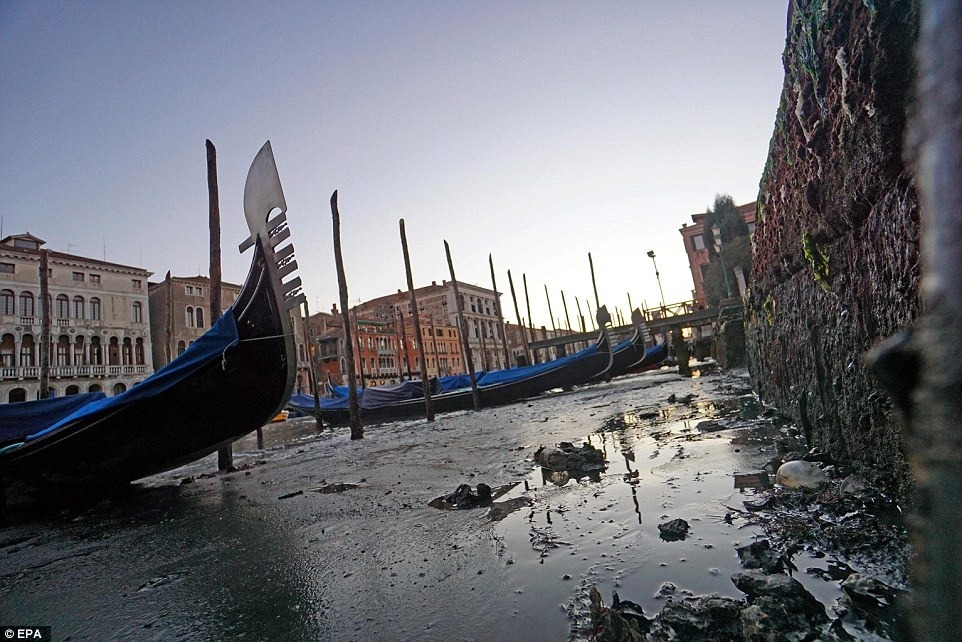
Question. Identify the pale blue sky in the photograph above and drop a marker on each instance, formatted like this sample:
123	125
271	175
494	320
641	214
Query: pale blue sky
536	131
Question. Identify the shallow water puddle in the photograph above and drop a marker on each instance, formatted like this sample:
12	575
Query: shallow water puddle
602	529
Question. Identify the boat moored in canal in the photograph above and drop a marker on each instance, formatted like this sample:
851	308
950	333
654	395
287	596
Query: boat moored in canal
229	382
495	388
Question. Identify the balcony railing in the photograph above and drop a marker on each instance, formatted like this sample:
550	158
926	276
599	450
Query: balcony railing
33	372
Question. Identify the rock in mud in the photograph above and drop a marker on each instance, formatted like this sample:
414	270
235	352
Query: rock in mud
873	605
464	497
707	619
676	529
761	556
779	607
800	474
623	621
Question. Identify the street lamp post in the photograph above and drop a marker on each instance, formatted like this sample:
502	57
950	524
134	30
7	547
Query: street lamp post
716	237
651	255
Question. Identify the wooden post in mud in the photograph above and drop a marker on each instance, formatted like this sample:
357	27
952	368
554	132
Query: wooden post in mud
554	328
581	315
463	326
357	431
312	357
168	319
416	318
565	305
497	310
527	301
225	456
484	351
44	325
935	407
517	313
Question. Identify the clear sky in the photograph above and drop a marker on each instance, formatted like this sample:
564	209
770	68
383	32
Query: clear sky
534	131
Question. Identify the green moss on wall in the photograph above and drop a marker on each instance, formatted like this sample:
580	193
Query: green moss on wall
817	259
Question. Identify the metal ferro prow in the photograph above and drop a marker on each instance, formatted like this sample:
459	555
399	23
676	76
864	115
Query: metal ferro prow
263	195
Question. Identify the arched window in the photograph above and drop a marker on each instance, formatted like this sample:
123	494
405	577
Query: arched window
63	307
17	395
95	309
139	352
63	350
79	352
113	352
7	349
7	302
181	347
96	352
190	317
72	390
26	304
137	312
119	389
79	309
95	387
27	359
128	352
200	317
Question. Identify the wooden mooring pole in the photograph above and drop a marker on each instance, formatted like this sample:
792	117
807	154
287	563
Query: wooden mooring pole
497	310
517	313
45	313
357	431
527	302
463	325
312	357
416	318
565	305
225	455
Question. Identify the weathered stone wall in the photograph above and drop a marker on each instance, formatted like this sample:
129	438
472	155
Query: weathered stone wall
836	258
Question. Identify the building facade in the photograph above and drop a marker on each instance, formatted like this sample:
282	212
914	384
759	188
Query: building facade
698	256
98	313
437	304
180	314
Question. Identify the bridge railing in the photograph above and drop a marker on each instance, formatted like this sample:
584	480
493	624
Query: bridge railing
673	310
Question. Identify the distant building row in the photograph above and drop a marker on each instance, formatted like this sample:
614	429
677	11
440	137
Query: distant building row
110	328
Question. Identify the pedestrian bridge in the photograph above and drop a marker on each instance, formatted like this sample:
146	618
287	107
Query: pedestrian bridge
687	314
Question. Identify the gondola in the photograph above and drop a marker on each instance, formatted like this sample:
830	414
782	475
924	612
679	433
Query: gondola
495	388
229	382
631	355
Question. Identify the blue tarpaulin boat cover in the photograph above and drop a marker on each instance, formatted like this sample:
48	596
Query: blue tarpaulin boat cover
17	420
209	347
516	374
369	398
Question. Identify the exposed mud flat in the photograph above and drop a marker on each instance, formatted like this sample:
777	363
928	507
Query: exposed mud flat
320	538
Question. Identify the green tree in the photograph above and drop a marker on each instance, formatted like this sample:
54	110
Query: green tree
736	248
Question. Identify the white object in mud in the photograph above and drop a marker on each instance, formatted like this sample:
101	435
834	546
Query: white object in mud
800	474
551	458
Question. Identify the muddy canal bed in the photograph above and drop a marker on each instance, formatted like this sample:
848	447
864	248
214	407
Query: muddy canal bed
316	537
